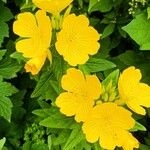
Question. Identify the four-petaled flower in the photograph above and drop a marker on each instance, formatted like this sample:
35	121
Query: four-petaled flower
109	124
132	92
81	93
77	40
36	34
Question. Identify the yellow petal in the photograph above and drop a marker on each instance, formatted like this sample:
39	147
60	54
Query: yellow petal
93	86
73	81
132	92
52	6
25	25
68	103
29	47
45	27
133	105
131	143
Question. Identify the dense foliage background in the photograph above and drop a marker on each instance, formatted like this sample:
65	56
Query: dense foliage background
25	100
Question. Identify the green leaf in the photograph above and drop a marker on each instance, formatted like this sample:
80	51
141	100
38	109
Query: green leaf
108	30
138	29
9	68
57	120
39	147
98	64
4	1
113	76
5	15
137	127
2	142
2	53
100	5
5	104
42	85
75	138
62	137
144	147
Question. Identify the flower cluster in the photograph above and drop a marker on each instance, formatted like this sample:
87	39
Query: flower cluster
106	121
36	33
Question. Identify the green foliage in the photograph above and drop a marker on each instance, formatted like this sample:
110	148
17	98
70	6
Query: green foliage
5	15
96	64
138	29
29	117
5	103
101	5
2	142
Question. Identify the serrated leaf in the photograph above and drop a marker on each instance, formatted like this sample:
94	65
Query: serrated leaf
108	30
56	119
42	85
5	15
75	138
99	64
5	104
62	137
138	30
9	68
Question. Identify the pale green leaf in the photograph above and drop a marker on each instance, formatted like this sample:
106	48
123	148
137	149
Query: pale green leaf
139	31
2	142
148	12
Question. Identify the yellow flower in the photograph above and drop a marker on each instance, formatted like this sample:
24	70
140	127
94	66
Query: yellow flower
81	91
132	92
109	124
52	6
77	40
35	64
36	34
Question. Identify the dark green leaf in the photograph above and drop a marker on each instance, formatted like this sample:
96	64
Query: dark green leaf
42	85
98	64
100	5
75	138
5	104
108	30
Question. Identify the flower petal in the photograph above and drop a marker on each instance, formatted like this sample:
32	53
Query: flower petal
25	26
52	6
35	64
68	103
73	81
93	86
